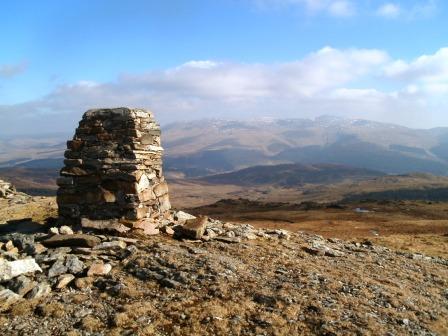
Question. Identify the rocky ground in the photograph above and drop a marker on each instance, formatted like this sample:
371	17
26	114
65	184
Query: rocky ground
207	277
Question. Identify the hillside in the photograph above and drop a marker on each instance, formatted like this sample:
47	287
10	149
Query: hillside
34	181
236	279
292	175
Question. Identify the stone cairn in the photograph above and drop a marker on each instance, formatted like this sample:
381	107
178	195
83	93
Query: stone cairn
112	176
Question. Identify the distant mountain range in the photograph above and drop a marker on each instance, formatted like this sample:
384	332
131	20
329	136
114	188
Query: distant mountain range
216	146
207	147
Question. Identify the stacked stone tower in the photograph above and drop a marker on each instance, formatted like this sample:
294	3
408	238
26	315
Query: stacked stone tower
112	175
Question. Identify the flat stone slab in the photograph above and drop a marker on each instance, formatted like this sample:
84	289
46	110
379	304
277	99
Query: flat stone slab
104	225
74	240
192	229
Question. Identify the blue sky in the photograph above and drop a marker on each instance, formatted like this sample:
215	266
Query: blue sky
382	60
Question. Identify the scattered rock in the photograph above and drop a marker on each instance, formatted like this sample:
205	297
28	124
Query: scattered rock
148	226
82	283
54	230
9	245
111	246
41	290
192	229
74	265
65	230
169	283
99	268
64	280
21	285
7	190
7	298
168	230
182	216
58	268
36	248
229	240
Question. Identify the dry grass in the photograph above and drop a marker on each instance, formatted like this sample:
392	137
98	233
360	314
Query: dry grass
410	226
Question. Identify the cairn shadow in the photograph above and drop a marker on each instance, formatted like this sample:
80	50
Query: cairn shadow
26	225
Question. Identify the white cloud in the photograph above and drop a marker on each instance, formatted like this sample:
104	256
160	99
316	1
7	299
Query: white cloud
389	10
337	8
427	72
350	82
200	64
12	70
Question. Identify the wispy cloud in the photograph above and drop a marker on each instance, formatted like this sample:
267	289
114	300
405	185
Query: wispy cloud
328	81
409	11
389	10
12	70
336	8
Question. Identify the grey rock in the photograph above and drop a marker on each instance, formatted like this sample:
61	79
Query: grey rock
111	247
57	268
74	265
22	241
21	285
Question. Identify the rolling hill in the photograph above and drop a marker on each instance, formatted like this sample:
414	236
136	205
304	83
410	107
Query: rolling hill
292	175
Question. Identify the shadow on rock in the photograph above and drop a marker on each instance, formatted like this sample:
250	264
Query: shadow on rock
26	225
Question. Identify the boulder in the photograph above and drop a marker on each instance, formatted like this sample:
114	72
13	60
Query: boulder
12	269
82	240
